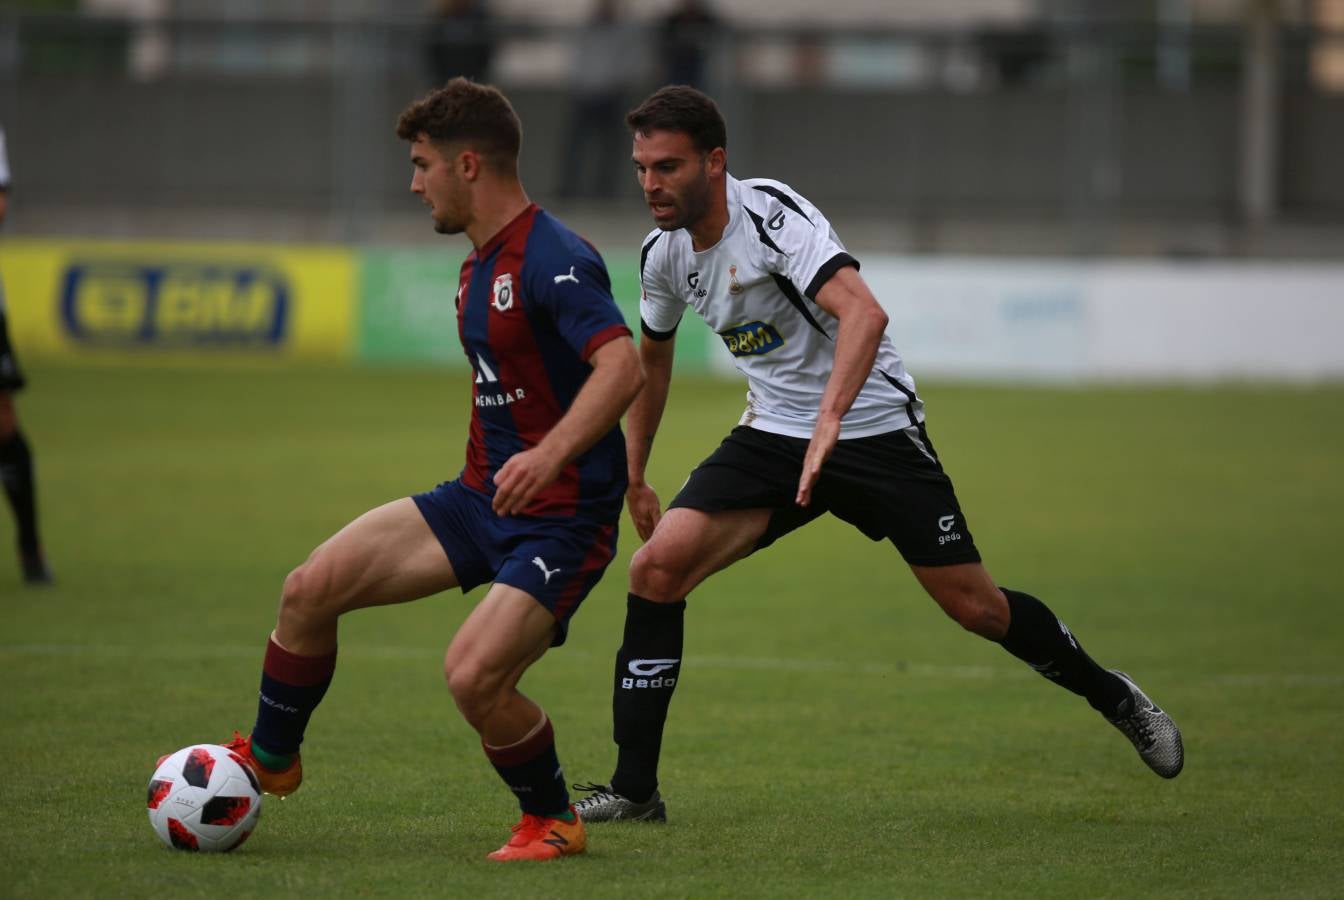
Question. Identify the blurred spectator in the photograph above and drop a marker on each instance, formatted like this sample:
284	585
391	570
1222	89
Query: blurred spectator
460	41
1017	56
686	38
606	63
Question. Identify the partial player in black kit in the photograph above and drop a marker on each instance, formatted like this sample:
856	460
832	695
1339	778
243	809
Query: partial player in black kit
16	457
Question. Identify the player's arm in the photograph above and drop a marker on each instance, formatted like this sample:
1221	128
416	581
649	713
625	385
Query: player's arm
615	380
641	424
845	295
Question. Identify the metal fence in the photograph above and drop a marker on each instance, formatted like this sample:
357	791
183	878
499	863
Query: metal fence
1087	131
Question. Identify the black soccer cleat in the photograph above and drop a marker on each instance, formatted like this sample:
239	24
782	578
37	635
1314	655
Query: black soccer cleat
1150	730
35	570
605	805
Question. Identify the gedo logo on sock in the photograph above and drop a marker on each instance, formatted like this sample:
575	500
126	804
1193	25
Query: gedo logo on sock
648	673
175	305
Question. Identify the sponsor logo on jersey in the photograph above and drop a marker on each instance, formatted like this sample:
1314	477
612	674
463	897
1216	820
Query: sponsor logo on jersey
776	221
501	292
486	376
945	524
752	339
175	305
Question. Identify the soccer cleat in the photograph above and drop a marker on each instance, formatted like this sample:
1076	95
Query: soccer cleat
35	570
605	805
280	784
540	838
1150	730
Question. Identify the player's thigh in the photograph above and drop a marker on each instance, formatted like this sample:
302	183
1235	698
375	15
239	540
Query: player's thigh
689	545
387	555
891	486
506	632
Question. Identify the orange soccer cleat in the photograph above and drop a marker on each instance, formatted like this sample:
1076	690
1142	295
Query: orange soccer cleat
280	783
537	837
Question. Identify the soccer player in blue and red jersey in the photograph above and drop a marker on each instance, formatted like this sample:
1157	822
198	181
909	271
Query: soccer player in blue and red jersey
534	510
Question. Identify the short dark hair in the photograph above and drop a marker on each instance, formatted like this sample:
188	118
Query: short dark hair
679	107
463	110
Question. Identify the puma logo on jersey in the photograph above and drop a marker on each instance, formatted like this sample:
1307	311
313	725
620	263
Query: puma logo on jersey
545	571
569	277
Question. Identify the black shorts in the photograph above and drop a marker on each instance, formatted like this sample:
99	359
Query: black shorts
889	486
11	377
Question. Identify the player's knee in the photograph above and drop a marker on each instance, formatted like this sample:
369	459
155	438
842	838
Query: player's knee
658	575
307	593
978	611
474	690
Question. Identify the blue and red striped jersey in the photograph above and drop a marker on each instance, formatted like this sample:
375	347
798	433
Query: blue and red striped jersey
533	304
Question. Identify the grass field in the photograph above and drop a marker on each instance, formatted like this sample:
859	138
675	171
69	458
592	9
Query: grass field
834	735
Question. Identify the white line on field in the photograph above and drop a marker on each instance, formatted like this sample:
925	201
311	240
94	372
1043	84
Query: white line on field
160	652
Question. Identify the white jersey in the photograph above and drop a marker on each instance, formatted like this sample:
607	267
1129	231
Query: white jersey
757	289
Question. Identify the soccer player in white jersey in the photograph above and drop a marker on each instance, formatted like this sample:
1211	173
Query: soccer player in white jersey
833	424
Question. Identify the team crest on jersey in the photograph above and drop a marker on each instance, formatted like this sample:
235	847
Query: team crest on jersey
751	339
734	286
501	292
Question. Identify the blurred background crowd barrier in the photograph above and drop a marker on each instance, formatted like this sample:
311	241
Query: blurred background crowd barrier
1175	130
1173	126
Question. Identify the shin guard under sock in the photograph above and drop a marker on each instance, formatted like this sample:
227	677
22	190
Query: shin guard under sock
648	666
1037	637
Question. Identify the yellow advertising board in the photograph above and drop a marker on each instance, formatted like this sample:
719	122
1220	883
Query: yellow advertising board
106	300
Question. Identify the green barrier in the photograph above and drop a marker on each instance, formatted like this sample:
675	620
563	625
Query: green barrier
407	312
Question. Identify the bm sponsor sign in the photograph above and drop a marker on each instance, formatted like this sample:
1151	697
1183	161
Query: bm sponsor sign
175	302
177	305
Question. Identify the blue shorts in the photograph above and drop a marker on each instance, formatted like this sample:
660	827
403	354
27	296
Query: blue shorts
556	560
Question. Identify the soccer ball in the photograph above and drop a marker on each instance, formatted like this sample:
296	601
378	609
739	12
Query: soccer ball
204	798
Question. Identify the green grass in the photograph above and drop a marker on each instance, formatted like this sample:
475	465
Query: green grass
834	735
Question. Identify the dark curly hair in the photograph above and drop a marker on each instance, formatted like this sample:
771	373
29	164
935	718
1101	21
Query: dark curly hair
678	107
476	114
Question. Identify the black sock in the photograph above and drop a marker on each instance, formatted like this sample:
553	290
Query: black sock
531	769
16	471
1038	638
291	688
647	667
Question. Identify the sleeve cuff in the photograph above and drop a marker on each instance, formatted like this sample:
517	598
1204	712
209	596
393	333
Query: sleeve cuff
653	335
829	268
610	333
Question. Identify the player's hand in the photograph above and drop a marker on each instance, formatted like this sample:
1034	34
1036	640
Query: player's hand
819	450
645	510
521	478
